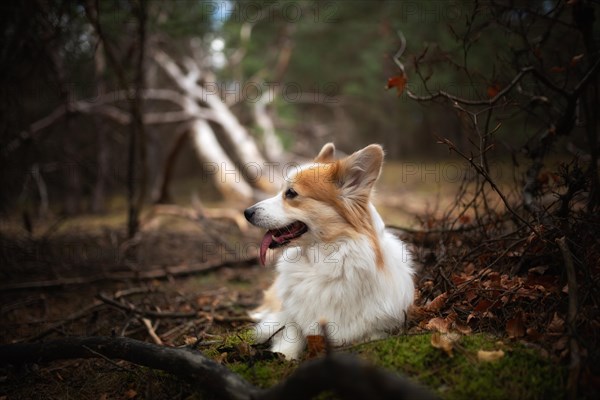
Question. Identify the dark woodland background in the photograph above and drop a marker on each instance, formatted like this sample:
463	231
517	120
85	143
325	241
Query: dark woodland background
134	133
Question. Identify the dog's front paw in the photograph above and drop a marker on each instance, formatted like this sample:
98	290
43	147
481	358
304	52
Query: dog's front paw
376	336
290	349
270	326
257	315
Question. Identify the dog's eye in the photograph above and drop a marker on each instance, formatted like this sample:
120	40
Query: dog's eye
290	193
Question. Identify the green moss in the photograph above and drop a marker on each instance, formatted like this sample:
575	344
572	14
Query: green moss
264	373
254	364
241	337
522	373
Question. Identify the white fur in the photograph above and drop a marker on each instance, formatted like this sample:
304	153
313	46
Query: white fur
340	284
337	283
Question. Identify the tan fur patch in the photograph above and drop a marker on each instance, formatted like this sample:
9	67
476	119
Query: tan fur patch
320	183
271	301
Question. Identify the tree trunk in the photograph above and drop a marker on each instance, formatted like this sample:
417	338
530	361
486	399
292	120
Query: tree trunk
272	144
162	194
216	162
99	192
245	147
103	164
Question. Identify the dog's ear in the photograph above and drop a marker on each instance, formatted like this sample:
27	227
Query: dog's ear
360	170
326	154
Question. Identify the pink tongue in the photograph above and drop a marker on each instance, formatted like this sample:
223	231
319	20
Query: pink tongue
274	236
264	246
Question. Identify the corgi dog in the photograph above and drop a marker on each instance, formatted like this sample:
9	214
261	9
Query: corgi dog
339	268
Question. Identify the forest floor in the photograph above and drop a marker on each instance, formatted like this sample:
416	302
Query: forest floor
480	326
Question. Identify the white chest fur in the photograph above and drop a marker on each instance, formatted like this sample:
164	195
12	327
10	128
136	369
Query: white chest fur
339	284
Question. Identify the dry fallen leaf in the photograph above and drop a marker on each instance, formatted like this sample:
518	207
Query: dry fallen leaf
515	327
438	324
244	349
315	345
469	269
437	303
540	270
493	90
483	305
445	341
462	328
533	334
190	340
489	356
561	343
471	295
557	325
398	81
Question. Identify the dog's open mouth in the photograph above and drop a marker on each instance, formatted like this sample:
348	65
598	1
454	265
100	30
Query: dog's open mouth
280	237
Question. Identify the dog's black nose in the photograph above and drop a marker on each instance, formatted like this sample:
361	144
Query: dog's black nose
249	213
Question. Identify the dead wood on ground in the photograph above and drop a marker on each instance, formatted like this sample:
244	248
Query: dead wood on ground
346	375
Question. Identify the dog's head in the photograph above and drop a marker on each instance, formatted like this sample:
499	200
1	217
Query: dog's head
322	201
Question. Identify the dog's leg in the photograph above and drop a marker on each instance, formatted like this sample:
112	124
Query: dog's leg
270	304
287	337
290	342
268	327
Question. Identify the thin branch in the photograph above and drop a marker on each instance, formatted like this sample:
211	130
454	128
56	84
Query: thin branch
489	180
146	313
73	317
347	376
156	272
152	331
182	362
460	100
108	360
575	366
100	105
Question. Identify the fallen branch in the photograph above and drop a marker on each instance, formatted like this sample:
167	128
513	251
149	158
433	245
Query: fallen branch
145	313
152	331
575	365
196	214
102	105
155	273
73	317
82	313
182	362
343	374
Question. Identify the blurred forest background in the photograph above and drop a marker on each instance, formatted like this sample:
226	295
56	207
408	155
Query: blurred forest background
115	98
133	133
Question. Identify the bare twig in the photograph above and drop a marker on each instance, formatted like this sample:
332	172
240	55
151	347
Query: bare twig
152	273
182	362
108	360
151	331
146	313
575	365
73	317
346	375
489	180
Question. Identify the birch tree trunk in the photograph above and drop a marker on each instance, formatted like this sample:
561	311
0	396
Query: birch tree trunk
272	144
216	163
245	147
